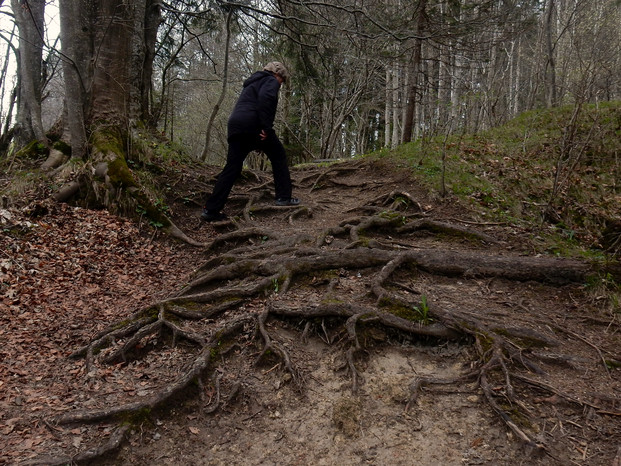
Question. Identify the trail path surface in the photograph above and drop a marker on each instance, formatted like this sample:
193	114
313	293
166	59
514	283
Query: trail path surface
373	325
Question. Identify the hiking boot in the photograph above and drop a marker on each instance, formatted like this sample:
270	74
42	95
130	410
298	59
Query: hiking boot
211	216
287	201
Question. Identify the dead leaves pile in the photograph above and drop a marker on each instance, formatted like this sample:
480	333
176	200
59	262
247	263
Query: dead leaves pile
65	273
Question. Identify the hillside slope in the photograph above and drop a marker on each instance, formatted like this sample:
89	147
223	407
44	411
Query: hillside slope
375	324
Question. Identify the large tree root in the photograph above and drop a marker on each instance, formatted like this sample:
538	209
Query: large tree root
195	370
247	280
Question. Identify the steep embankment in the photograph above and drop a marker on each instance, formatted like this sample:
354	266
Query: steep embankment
390	317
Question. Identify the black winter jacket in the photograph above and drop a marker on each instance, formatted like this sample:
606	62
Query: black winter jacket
255	109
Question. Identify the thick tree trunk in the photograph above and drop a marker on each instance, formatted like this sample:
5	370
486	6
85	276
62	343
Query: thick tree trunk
105	50
109	49
75	30
146	18
113	32
6	134
104	60
152	21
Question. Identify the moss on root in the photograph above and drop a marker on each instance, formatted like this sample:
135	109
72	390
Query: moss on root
63	147
137	418
412	314
110	147
34	150
120	175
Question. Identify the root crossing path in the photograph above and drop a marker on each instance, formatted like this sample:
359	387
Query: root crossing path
373	324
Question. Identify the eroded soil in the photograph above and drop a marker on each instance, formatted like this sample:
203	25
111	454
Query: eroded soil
75	272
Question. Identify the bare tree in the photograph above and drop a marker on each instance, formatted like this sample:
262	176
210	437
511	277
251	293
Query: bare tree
415	65
550	68
29	18
7	115
225	77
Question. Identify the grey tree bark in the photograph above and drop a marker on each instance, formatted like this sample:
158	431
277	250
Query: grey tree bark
29	17
550	69
415	64
225	77
77	51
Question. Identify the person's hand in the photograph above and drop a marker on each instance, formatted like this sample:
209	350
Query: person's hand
263	135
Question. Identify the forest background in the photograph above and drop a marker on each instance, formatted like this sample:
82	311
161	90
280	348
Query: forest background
365	75
509	106
135	82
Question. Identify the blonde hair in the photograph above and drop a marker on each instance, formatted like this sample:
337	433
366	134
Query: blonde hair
277	68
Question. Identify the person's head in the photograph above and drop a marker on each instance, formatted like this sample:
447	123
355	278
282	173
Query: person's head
278	69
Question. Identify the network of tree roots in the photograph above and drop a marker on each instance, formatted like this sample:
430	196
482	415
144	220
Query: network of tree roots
371	279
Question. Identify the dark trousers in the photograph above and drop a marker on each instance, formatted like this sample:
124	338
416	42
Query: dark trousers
240	146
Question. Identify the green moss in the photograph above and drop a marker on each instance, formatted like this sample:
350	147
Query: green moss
332	301
613	363
76	163
189	305
522	340
150	312
519	418
485	341
119	173
121	177
395	217
33	150
108	141
364	241
327	274
413	314
122	324
136	418
63	147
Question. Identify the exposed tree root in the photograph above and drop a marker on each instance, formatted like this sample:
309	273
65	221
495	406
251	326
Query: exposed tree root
273	346
193	372
114	443
257	265
397	201
175	232
108	181
330	175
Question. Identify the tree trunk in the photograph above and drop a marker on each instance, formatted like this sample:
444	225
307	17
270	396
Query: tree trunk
144	65
6	134
109	48
415	65
550	64
225	78
104	47
387	108
29	19
395	105
75	30
114	99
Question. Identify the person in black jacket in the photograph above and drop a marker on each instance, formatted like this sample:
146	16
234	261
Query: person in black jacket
250	127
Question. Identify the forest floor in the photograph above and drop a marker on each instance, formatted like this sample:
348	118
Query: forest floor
69	273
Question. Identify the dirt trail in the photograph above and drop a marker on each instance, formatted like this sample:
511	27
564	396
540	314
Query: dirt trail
323	374
271	423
